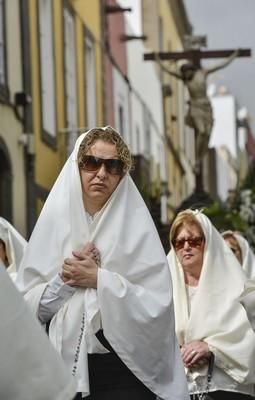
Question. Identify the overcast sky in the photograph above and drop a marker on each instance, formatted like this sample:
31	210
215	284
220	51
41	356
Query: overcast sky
229	24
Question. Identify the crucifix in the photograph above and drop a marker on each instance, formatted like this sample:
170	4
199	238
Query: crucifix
194	77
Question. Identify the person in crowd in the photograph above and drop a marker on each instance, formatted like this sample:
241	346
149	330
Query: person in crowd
96	274
30	369
12	246
242	250
210	323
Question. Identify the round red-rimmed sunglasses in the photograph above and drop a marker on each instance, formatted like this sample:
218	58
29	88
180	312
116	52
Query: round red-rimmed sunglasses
113	166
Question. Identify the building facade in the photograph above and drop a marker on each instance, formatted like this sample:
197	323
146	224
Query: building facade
80	64
51	90
13	101
165	24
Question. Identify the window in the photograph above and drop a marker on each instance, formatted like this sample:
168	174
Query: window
121	119
3	67
47	69
70	80
147	130
138	140
90	90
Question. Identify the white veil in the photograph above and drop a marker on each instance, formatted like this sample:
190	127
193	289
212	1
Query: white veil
134	295
216	316
15	245
248	256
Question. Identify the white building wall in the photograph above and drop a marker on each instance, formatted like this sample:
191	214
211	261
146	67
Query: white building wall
226	174
146	108
144	79
137	125
224	125
147	92
224	140
121	106
142	122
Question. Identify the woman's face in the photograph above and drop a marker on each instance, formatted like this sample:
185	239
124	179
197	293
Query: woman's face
98	185
234	246
189	246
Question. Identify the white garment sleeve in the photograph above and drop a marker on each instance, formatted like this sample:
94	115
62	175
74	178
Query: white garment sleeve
218	358
54	296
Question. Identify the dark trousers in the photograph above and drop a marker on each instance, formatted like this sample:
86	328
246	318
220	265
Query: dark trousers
110	379
224	395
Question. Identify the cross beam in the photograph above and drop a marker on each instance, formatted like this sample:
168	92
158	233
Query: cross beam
195	54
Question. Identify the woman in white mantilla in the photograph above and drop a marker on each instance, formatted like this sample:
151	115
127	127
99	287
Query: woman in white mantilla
242	250
12	246
207	282
96	273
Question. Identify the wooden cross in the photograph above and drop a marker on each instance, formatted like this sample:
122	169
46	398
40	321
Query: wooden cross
195	55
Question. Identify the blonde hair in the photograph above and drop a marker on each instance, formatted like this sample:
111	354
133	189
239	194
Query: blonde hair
184	218
108	135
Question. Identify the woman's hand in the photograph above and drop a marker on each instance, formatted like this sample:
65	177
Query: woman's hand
82	273
88	250
82	269
195	353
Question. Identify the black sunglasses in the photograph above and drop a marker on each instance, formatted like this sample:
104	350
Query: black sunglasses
113	166
193	242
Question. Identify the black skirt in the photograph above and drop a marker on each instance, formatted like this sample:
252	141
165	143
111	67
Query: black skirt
224	395
110	379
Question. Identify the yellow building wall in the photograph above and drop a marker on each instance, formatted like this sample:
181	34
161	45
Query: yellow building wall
11	128
48	160
88	14
80	73
171	42
60	85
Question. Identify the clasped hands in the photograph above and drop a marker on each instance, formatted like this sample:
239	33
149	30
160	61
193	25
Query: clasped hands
81	270
195	353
